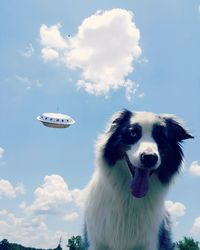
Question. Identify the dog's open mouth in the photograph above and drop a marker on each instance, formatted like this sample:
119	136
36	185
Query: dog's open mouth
140	179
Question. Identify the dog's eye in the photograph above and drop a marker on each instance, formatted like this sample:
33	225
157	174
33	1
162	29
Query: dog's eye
133	132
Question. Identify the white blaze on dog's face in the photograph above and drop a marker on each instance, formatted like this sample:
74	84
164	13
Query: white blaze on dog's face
144	153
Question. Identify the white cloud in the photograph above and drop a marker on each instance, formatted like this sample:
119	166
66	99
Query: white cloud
196	227
24	79
79	196
53	196
104	49
49	54
1	152
131	89
7	189
195	168
28	231
51	201
71	216
28	82
51	37
176	209
28	52
50	196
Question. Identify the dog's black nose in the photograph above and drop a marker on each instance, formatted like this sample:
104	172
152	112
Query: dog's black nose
148	160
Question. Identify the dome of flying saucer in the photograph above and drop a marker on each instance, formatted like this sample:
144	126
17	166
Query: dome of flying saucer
55	120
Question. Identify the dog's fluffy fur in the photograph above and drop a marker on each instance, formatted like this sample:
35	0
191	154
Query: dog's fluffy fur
136	159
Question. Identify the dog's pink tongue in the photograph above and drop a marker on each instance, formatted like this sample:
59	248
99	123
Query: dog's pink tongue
140	183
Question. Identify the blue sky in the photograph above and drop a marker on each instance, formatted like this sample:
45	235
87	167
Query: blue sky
50	62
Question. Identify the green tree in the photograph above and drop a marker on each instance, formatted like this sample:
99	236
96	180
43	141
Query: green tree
188	244
75	243
4	244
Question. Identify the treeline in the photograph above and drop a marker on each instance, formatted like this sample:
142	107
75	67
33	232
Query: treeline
6	245
75	243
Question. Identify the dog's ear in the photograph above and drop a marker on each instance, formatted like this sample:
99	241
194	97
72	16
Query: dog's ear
175	128
118	119
112	149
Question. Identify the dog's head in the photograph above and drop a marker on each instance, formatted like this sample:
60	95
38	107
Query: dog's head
149	143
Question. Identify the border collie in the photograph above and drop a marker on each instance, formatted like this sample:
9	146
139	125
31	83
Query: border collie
136	159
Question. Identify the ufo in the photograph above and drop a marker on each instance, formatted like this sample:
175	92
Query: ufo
55	120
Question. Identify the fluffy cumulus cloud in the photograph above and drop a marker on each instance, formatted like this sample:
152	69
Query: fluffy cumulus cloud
195	168
196	227
53	201
50	196
17	228
8	190
49	54
79	196
51	37
1	152
28	231
104	49
54	196
176	209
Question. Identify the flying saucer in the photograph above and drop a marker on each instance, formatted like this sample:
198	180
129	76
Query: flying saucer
55	120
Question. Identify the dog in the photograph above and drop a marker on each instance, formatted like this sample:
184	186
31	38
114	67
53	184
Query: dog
136	159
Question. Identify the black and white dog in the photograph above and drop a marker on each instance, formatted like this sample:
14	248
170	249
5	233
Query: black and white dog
136	159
